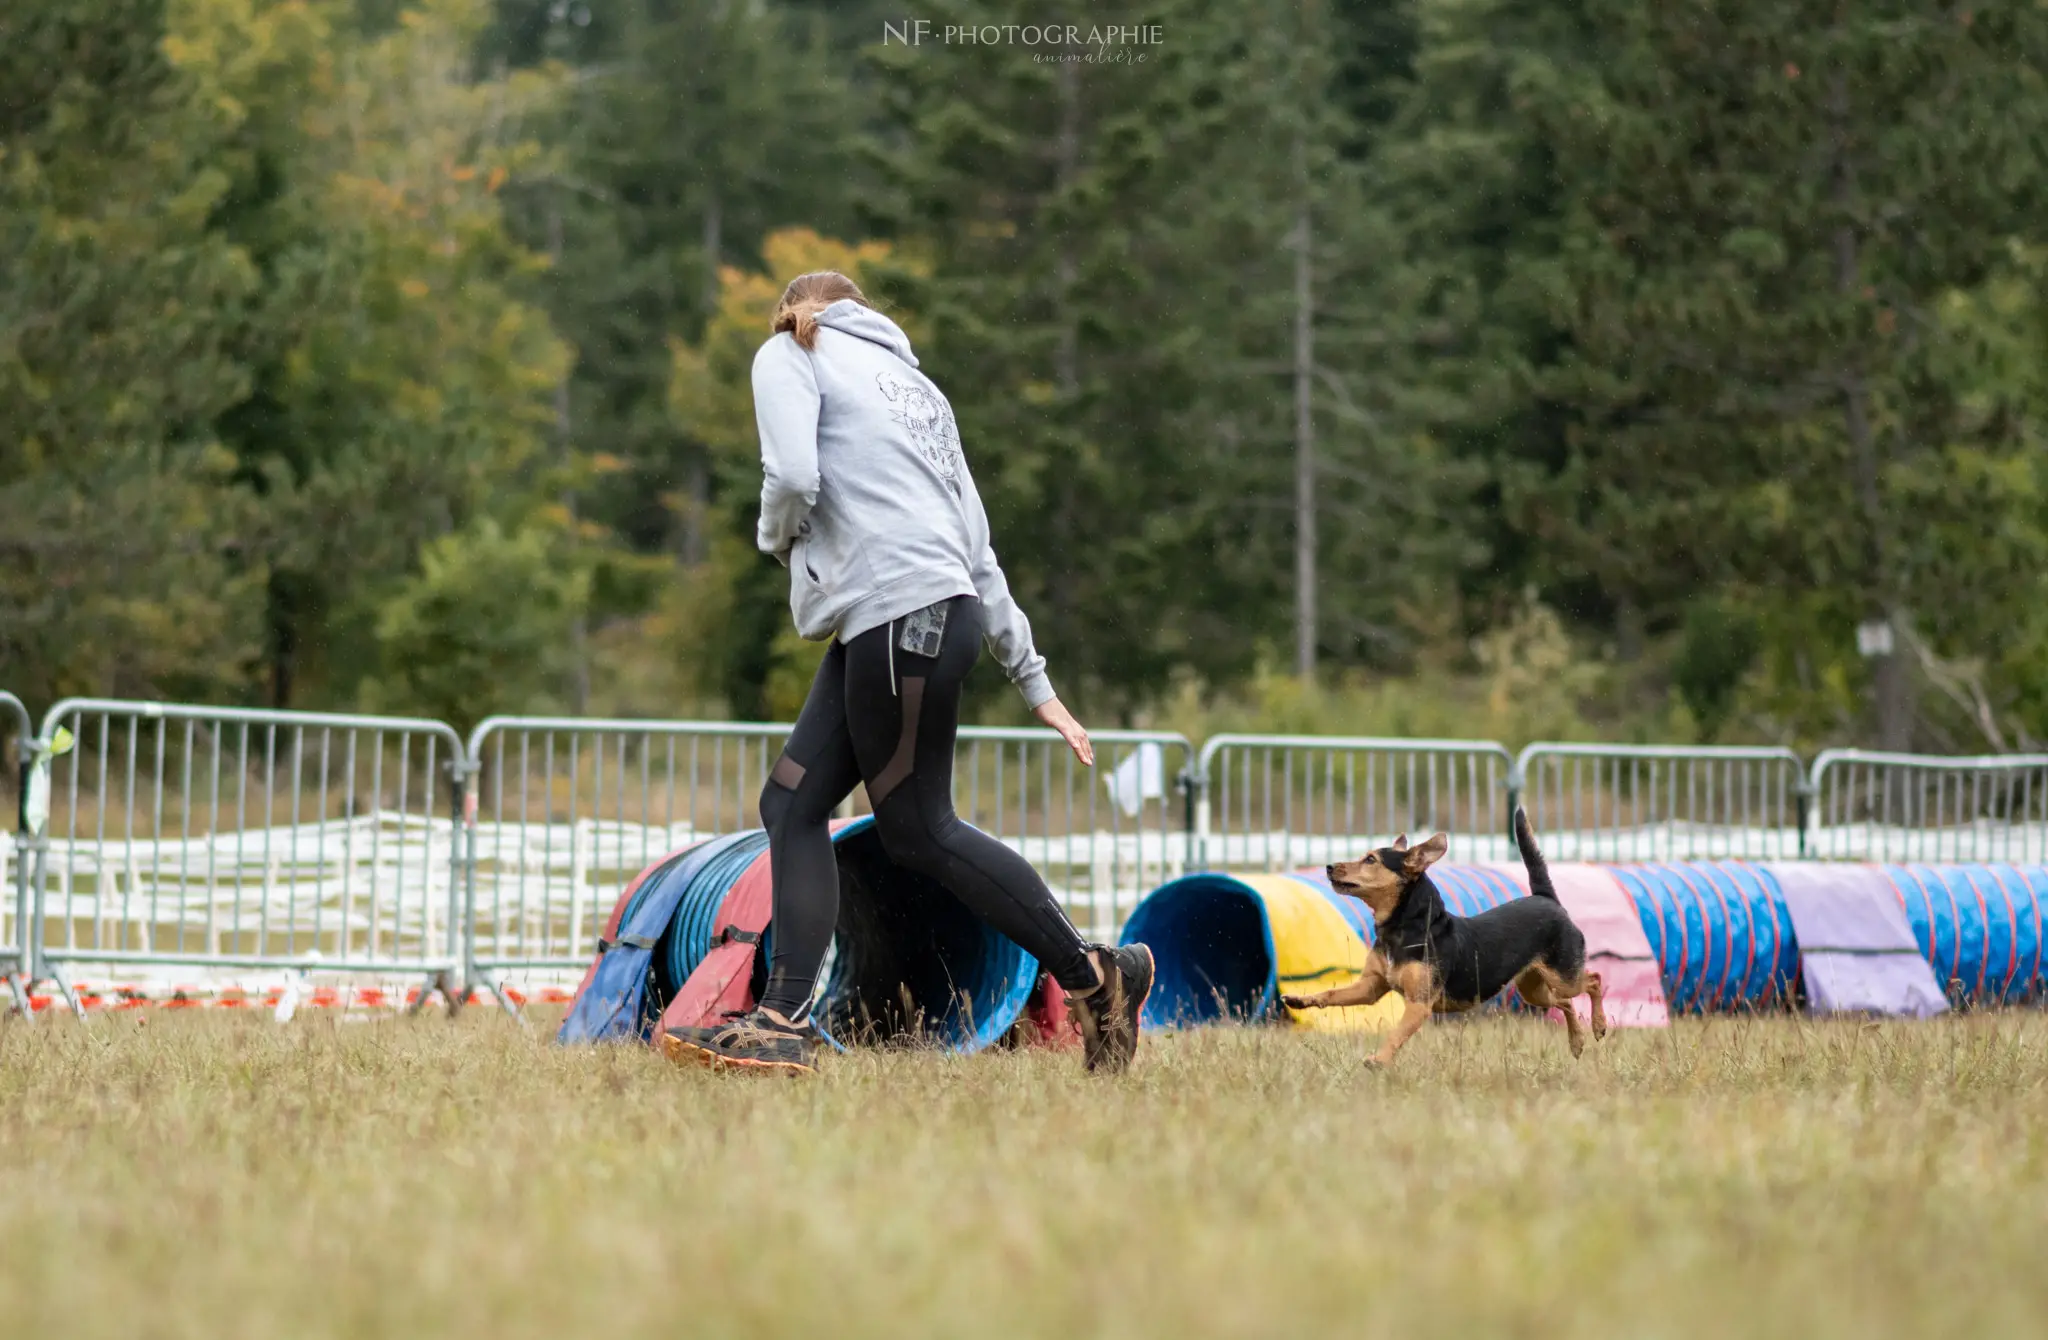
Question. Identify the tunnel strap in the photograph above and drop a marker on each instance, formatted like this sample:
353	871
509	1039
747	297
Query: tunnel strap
732	933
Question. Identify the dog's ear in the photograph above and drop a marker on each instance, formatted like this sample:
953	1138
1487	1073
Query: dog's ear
1400	843
1428	854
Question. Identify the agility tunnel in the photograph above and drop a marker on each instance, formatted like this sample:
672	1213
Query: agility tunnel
1979	926
1228	946
1721	933
1690	937
690	939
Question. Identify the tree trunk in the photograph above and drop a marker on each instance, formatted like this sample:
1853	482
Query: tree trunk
1067	354
691	545
284	642
714	243
697	485
1890	678
1629	635
579	660
1304	443
1067	339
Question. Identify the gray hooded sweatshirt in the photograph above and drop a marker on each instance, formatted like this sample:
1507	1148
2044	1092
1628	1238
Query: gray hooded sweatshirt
866	497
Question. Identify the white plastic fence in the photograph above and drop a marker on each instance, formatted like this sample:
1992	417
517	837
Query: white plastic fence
17	948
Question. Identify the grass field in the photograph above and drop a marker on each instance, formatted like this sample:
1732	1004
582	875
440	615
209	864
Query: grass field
171	1175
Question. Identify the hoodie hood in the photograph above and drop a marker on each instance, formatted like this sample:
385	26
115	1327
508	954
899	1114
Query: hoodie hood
850	318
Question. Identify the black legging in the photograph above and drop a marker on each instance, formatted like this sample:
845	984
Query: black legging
880	715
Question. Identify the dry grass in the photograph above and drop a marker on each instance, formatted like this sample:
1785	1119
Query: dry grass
220	1176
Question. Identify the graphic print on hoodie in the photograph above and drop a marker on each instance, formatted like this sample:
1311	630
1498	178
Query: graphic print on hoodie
929	421
866	495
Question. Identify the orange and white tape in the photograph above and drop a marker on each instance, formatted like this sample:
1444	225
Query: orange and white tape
112	997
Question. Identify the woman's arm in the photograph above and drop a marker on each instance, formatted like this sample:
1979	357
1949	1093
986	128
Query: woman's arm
786	411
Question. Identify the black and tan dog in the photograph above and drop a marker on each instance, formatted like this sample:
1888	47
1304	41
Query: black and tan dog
1444	964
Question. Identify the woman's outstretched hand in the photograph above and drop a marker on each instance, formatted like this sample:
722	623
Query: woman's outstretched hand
1054	713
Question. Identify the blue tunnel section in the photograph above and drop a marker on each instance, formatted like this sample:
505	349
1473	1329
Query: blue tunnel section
1214	951
1468	890
1721	932
1979	926
908	961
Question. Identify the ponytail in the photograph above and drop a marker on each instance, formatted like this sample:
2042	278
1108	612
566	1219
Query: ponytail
800	320
808	295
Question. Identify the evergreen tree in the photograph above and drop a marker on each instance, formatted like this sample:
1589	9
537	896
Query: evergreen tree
1166	377
129	562
1767	205
401	388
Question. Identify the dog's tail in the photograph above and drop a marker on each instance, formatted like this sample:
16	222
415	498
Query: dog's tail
1539	872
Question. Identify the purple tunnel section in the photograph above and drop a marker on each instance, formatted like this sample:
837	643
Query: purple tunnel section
1856	950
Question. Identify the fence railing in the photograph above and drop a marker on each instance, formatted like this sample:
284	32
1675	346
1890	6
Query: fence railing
17	948
1917	807
1102	837
1272	802
241	840
1612	802
565	811
232	838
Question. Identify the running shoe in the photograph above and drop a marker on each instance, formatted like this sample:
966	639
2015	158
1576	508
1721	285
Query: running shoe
749	1042
1108	1016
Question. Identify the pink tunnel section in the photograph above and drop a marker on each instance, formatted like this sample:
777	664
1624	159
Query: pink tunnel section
1616	947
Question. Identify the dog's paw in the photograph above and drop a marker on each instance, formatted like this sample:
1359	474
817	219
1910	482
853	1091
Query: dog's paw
1298	1002
1377	1064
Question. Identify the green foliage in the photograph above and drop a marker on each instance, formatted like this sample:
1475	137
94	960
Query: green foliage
406	390
128	561
483	626
1721	328
258	345
1715	650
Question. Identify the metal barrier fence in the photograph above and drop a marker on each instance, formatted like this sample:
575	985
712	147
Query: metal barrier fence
1273	802
230	838
17	949
1613	802
238	840
565	811
1917	807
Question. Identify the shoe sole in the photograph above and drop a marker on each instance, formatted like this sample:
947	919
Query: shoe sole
689	1053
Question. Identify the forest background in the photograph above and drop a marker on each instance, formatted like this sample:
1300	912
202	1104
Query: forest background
1579	369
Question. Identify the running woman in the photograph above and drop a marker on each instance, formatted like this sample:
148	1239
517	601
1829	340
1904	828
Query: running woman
867	500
